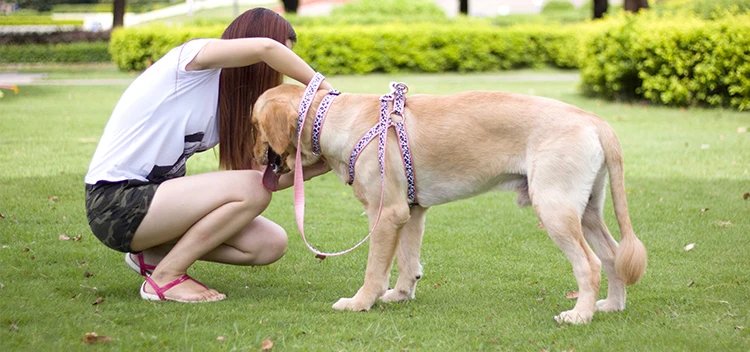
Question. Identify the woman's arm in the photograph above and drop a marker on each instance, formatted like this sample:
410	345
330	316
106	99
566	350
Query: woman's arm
308	172
226	53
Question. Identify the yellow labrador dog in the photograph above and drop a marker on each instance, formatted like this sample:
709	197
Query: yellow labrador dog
556	156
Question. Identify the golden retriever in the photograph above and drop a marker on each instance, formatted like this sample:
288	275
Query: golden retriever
556	156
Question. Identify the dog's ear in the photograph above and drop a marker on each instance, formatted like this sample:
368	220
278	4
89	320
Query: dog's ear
277	120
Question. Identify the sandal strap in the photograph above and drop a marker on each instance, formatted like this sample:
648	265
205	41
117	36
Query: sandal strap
160	290
143	266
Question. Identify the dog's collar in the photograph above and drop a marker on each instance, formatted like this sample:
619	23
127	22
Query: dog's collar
320	116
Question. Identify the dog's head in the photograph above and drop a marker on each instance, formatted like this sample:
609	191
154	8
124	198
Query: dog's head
274	121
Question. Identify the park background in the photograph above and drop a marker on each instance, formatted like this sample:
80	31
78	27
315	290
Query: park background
672	77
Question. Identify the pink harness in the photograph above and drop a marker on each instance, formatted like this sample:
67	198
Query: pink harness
398	98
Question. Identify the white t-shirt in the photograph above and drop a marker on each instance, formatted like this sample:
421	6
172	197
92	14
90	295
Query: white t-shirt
164	117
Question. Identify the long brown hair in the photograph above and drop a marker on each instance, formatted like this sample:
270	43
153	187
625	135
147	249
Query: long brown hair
240	87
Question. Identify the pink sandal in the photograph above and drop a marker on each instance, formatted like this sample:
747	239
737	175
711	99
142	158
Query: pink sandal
159	296
141	267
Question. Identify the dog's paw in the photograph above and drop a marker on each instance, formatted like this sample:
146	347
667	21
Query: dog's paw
573	317
396	296
606	305
351	304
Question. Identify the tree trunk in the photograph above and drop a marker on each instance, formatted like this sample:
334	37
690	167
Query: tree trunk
635	5
290	6
600	8
118	13
463	7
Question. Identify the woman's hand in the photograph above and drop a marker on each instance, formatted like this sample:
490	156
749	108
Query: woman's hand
314	170
308	172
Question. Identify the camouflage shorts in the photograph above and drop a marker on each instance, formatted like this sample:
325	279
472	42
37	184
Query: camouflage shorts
116	209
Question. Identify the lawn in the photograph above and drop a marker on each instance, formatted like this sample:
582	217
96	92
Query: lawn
492	279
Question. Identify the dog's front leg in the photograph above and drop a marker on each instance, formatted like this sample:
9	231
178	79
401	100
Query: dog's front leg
409	268
383	244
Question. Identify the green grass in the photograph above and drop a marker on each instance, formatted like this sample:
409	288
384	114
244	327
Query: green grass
486	263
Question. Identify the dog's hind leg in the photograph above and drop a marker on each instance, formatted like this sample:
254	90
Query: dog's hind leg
559	186
383	243
598	236
409	268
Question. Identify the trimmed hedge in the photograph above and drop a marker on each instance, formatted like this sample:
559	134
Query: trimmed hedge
135	48
387	48
36	21
674	61
54	37
71	52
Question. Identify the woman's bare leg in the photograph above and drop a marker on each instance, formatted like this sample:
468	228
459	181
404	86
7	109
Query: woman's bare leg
201	212
262	242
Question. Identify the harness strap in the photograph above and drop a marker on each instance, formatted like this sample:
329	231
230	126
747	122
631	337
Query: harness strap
320	116
381	130
398	97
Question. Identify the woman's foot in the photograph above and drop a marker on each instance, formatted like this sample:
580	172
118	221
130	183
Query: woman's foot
180	289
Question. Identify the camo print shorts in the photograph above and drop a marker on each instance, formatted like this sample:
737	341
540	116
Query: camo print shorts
116	209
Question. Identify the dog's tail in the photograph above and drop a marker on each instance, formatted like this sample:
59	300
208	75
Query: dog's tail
631	258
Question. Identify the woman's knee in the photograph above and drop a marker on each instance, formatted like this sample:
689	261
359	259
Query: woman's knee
272	247
252	191
277	245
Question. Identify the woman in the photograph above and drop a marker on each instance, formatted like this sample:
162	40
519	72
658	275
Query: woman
138	198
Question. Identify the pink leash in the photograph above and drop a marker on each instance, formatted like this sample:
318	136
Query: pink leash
299	188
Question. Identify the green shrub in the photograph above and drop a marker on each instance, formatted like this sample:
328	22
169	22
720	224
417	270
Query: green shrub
395	8
372	12
136	47
35	21
706	9
671	60
68	53
558	6
386	48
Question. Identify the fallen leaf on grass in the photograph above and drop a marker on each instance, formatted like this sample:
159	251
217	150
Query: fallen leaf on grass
723	223
221	338
738	328
77	238
266	345
2	216
746	196
703	210
92	338
691	283
14	326
98	301
87	274
540	299
26	249
52	199
2	286
63	237
571	295
689	247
